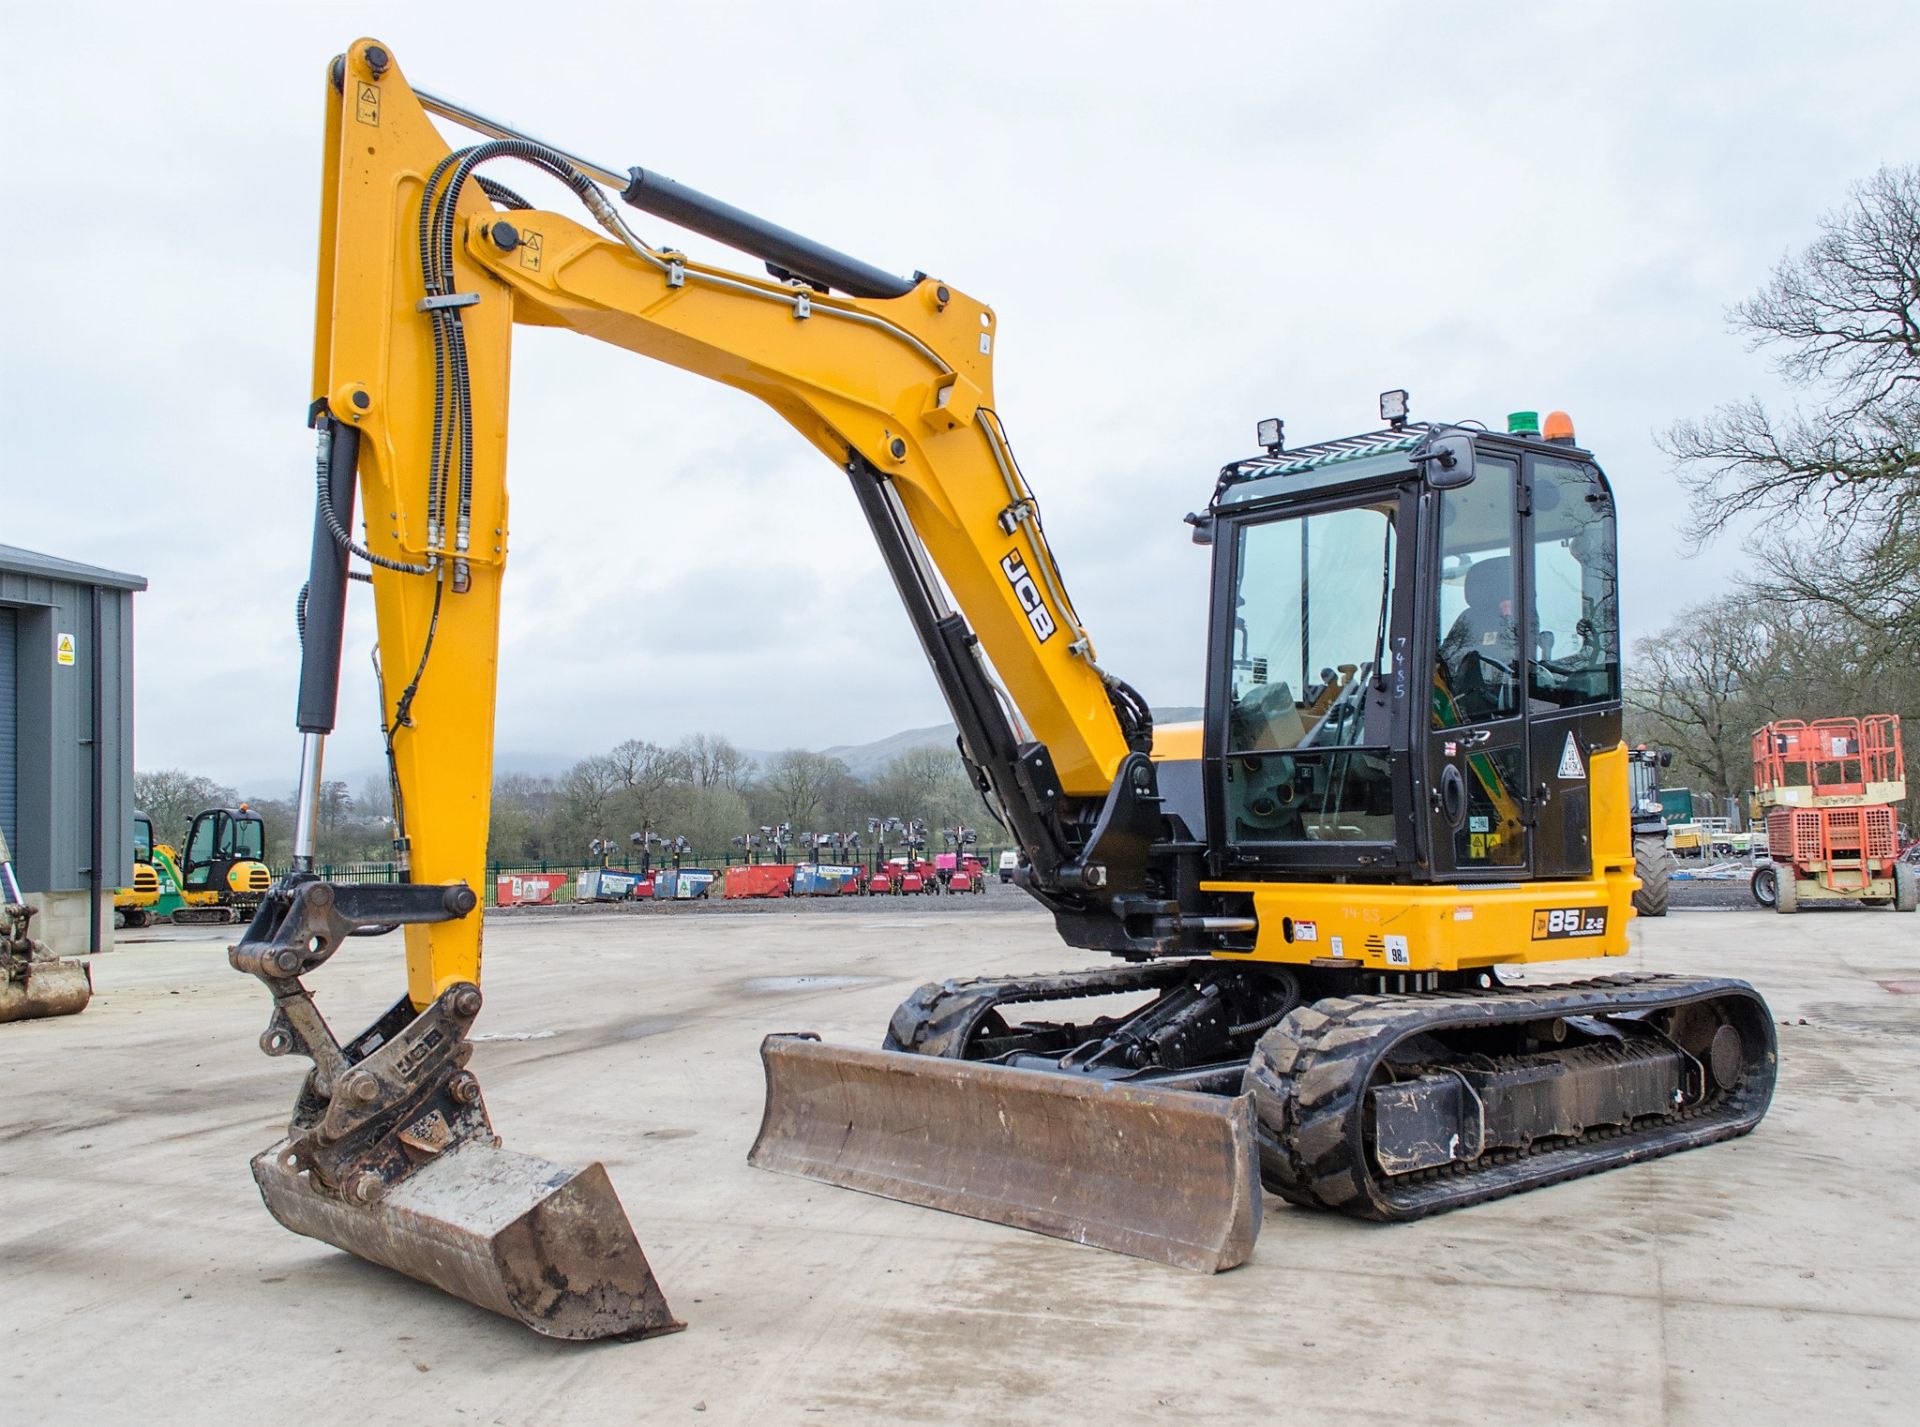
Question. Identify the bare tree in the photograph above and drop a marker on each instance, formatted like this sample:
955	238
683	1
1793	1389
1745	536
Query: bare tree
1843	319
583	804
171	796
713	762
798	782
1691	690
644	771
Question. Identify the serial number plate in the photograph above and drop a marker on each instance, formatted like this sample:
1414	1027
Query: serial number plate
1551	923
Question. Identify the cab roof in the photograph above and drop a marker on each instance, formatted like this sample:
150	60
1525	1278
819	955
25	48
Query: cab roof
1353	459
1332	453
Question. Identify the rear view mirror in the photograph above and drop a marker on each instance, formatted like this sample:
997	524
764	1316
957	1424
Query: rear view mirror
1448	461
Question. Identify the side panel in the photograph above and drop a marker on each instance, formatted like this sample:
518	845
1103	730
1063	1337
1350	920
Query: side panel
1411	929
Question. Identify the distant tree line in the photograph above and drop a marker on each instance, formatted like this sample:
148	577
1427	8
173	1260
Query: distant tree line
702	795
1827	619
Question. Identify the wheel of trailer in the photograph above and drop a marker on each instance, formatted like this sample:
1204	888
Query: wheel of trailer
1653	865
119	919
1766	886
1906	887
1786	890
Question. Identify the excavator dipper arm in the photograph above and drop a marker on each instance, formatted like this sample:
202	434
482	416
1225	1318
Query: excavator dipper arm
426	265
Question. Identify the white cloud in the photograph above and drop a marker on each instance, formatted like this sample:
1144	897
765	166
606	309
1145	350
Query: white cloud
1187	217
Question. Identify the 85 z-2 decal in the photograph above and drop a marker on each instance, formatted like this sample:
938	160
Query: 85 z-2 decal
1028	593
1551	924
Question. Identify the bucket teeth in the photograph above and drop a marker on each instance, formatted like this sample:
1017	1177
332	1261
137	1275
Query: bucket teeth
547	1245
1167	1175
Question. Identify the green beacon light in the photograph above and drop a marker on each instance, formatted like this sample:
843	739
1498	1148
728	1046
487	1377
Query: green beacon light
1523	423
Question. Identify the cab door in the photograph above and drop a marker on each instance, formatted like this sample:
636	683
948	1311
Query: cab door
1479	814
1573	652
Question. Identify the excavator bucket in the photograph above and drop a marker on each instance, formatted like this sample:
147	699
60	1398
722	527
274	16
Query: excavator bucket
33	981
1168	1175
45	986
545	1244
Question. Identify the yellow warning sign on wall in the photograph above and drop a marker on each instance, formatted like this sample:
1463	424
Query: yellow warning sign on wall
63	649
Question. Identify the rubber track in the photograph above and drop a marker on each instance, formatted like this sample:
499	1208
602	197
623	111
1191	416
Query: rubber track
939	1018
1309	1077
219	916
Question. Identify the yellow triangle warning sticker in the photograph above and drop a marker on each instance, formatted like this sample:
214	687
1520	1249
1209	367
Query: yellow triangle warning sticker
63	649
1570	764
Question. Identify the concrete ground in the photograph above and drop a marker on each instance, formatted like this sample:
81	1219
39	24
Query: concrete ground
1767	1280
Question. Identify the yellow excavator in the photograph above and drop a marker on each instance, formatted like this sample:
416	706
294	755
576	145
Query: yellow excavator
1409	775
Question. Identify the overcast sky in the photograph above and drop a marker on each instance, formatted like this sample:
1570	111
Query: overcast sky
1187	216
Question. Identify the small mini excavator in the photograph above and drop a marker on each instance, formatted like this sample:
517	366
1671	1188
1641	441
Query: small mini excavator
1409	775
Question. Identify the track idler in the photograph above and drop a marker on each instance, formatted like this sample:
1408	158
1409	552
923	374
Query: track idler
391	1156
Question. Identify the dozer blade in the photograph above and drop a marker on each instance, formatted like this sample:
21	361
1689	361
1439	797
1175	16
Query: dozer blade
542	1243
49	987
1168	1175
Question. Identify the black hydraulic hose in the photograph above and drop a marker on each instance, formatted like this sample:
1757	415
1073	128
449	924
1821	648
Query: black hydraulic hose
322	467
500	193
439	209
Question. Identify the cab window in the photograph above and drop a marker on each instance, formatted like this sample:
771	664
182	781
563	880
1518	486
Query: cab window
1478	665
201	845
1575	654
1313	599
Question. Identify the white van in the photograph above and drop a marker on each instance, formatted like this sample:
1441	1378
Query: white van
1008	861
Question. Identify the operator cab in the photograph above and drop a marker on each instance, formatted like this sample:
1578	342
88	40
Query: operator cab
1414	653
219	839
142	838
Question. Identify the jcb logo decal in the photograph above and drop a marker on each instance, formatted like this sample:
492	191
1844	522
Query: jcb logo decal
416	1054
1569	921
1028	594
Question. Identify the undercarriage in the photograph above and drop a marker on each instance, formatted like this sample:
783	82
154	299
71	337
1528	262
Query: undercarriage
1392	1096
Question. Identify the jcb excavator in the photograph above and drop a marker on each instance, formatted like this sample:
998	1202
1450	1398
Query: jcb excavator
1410	774
223	877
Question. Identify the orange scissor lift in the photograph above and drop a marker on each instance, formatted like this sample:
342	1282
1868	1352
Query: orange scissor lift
1827	790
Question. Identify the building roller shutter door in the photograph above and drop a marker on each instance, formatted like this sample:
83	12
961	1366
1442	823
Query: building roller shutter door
9	724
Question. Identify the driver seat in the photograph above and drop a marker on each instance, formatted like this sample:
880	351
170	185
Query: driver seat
1483	632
